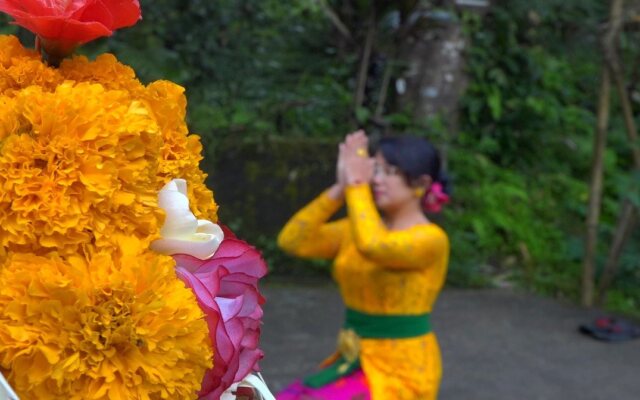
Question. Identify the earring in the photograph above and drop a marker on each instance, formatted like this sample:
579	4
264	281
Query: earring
419	192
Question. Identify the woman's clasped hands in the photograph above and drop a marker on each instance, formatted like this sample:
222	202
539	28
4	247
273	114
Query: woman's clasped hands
354	165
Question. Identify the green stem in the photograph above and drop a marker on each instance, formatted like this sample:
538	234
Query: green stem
55	51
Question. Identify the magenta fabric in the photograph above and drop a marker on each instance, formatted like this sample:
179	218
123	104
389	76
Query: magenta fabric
351	387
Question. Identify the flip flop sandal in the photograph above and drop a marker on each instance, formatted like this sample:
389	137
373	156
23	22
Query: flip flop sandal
610	329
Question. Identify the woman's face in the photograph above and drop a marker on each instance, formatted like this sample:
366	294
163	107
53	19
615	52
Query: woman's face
390	188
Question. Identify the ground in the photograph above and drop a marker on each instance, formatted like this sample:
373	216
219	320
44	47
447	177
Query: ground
496	345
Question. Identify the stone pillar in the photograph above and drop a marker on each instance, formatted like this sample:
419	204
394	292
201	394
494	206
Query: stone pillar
434	78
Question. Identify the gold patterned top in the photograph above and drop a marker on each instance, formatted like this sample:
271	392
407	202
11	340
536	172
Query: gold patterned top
379	271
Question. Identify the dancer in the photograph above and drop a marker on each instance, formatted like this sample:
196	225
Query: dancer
390	263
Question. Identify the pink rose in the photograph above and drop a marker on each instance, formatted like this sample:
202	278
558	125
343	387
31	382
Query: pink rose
63	24
226	286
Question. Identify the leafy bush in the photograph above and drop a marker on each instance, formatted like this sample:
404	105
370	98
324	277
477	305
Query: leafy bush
522	158
251	68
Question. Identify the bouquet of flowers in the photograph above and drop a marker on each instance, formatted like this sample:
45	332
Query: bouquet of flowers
116	282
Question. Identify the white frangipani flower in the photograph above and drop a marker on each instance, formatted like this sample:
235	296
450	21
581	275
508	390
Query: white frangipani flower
182	232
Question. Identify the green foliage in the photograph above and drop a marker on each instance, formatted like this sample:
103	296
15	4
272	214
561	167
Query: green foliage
522	158
5	28
251	68
500	213
524	102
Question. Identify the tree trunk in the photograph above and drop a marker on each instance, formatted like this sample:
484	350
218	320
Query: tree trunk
384	90
434	76
364	61
626	221
595	192
624	228
618	77
335	20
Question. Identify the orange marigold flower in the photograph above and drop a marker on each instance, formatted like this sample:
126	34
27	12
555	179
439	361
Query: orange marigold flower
105	70
93	166
169	104
116	326
20	68
11	48
180	153
79	164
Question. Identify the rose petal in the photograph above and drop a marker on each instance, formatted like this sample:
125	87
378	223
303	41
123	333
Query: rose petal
238	303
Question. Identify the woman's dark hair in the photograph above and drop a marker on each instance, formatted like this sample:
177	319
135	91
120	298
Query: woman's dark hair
415	156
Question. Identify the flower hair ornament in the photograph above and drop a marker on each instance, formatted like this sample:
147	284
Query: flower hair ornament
435	198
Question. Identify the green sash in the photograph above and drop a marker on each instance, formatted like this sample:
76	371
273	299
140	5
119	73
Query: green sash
369	326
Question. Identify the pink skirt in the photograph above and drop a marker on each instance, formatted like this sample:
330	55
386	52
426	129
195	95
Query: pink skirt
351	387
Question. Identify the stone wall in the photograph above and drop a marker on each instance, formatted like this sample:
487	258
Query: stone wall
260	184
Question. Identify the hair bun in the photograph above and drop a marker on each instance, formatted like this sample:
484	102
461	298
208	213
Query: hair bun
445	181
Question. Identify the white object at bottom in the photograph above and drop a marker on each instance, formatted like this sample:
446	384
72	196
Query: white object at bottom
254	381
6	392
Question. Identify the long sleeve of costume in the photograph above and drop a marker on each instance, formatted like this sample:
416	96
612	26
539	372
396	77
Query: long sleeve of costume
409	248
307	234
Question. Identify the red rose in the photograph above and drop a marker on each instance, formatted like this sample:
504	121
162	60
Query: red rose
226	286
72	22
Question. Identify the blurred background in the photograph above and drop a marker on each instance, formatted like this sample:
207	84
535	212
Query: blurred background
509	90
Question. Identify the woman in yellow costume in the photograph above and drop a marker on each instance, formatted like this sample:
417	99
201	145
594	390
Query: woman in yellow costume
390	263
